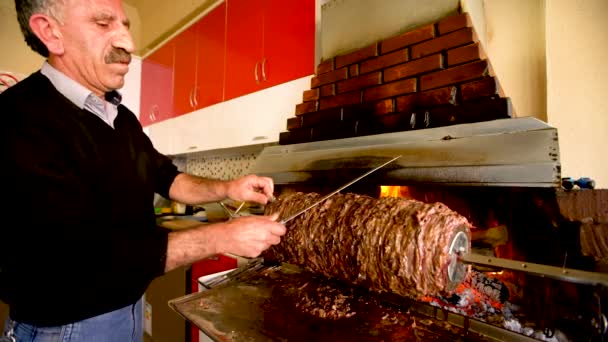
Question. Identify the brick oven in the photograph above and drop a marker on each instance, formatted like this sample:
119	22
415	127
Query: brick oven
535	265
556	293
517	217
431	95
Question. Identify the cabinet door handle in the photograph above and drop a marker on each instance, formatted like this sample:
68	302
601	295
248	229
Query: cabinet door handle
190	99
194	97
153	113
255	73
264	69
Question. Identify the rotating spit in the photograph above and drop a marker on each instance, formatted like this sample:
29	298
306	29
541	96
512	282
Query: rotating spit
595	282
461	255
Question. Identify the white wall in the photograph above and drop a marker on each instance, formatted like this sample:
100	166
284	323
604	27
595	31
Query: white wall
161	18
577	83
512	33
136	28
18	57
351	24
132	89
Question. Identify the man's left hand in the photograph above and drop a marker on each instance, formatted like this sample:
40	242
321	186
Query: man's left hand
251	188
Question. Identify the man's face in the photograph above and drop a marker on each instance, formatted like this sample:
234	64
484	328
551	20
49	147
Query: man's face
97	43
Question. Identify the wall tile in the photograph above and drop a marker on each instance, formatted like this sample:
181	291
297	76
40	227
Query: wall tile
221	167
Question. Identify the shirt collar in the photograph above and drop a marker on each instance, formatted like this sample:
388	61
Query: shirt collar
72	90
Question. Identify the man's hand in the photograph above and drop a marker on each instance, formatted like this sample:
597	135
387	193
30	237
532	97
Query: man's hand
246	236
190	189
251	188
249	236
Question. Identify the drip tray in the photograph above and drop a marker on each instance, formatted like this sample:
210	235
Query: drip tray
285	303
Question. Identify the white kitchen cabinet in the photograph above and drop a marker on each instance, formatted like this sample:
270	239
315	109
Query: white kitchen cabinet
161	135
247	120
261	116
131	90
202	130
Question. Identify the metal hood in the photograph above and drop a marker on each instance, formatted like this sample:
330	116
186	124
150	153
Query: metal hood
508	152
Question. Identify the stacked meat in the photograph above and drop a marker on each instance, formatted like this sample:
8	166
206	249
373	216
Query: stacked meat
389	244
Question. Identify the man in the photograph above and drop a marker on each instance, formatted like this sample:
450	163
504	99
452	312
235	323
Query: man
80	176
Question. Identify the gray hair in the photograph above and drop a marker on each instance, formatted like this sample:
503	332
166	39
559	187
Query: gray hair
27	8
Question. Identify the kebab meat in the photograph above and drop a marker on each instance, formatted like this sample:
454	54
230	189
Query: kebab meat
388	244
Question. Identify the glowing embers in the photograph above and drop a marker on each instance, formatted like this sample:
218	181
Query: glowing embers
479	296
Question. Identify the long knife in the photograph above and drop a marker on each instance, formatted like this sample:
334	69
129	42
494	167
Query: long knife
285	220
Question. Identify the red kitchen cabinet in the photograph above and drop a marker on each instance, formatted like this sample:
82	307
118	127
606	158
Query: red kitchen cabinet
210	265
244	48
199	63
156	102
268	42
289	40
211	54
239	47
185	71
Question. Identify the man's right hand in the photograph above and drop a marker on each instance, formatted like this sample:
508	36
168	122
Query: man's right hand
246	236
249	236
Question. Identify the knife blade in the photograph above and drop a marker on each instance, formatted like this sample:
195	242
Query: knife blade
300	212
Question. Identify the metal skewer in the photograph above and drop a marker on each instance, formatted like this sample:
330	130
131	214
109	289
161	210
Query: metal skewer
236	212
285	220
561	273
228	211
460	251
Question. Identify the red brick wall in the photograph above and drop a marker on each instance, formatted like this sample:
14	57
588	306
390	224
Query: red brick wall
432	76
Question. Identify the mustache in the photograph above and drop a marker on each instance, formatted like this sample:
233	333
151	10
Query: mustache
118	56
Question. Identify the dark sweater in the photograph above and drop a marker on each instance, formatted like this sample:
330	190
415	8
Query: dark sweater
83	239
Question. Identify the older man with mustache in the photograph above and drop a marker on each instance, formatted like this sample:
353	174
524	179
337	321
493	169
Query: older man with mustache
77	269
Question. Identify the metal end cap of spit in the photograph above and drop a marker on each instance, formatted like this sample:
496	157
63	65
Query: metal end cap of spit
457	270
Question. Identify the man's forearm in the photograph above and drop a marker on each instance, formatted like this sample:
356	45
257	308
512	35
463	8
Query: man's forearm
247	236
190	189
188	246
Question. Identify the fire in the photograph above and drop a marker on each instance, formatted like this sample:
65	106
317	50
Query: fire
478	297
395	191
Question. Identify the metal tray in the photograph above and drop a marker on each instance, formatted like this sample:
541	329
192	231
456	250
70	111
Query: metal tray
285	303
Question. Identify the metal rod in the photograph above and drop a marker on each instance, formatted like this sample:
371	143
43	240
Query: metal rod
283	221
236	212
567	274
228	211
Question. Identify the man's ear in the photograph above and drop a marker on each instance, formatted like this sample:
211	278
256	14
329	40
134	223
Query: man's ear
47	30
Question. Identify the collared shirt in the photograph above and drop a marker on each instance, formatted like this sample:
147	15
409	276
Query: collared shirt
106	109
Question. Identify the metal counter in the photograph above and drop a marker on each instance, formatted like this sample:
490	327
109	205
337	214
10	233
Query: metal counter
285	303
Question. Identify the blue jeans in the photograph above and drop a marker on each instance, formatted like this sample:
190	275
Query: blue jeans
125	324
